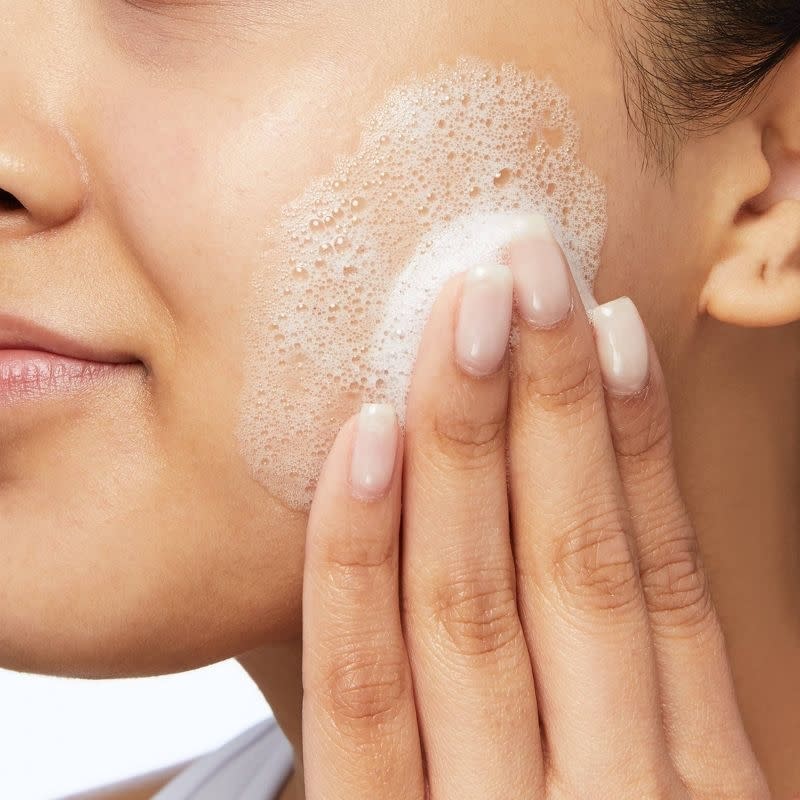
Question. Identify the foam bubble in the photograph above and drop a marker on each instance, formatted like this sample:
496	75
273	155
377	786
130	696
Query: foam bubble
444	170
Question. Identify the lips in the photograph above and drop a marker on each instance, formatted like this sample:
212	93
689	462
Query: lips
36	362
17	333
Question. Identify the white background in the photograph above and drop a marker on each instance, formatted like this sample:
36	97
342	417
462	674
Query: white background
60	735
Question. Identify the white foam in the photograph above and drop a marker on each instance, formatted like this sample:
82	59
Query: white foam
445	168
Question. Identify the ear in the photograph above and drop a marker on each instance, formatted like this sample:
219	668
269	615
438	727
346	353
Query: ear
755	278
756	283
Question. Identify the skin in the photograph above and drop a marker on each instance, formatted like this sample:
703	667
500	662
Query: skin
148	142
599	580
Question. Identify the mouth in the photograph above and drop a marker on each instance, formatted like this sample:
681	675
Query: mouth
36	362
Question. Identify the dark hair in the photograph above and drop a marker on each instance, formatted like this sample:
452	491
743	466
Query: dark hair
691	64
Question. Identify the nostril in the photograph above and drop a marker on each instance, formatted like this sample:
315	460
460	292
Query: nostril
8	202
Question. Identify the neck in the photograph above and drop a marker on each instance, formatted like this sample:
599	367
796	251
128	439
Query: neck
737	439
277	671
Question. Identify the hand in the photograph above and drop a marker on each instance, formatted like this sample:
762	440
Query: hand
546	636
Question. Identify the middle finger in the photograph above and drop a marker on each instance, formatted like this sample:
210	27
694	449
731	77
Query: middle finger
580	597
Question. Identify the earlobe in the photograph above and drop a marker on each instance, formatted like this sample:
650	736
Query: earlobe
756	281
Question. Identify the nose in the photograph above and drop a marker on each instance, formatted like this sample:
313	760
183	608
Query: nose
41	182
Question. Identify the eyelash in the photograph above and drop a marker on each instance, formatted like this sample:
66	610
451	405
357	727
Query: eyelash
235	13
175	6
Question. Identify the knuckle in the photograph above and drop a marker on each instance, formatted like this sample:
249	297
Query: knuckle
477	614
463	436
593	566
645	436
675	584
357	563
558	386
364	688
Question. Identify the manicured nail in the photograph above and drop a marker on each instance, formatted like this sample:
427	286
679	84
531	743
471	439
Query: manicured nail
374	450
484	319
541	276
621	346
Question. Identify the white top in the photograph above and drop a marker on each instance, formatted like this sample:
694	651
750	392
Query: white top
254	766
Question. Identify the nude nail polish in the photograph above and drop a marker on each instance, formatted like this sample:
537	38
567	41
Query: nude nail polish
541	276
484	319
374	449
621	346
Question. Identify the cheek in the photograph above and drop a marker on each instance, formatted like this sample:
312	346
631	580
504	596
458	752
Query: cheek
656	253
197	178
190	186
206	190
444	165
186	208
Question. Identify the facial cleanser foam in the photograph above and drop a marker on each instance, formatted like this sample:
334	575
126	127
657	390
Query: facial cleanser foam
444	169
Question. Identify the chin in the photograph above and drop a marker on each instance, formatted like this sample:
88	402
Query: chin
157	583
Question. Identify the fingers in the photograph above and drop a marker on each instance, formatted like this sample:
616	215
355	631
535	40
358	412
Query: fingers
360	737
700	711
579	594
473	680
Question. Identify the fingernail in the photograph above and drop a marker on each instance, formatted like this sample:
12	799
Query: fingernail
374	450
484	319
621	346
541	276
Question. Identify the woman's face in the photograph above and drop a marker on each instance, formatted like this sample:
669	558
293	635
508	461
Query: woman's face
160	141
